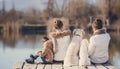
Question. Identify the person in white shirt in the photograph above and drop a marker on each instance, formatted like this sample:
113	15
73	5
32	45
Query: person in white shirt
97	48
60	38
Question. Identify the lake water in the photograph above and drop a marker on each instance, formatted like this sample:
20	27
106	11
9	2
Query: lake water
15	47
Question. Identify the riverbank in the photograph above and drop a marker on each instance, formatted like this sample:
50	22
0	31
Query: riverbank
41	29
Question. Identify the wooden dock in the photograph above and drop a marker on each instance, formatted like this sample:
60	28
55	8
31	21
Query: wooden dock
24	65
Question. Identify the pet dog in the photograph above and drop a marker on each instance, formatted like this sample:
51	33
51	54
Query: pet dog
72	54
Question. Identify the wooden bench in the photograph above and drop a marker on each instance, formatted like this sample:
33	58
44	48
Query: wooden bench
23	65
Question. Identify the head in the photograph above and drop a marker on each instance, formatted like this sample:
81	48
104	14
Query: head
44	39
97	24
58	24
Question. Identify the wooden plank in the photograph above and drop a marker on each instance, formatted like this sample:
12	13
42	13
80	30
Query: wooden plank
72	67
100	67
91	67
29	66
48	66
22	65
111	67
40	66
87	67
83	67
57	66
18	65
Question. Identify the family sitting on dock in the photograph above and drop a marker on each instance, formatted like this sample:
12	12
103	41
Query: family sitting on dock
59	47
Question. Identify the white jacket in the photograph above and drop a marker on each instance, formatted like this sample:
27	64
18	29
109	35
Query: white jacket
60	43
63	44
98	48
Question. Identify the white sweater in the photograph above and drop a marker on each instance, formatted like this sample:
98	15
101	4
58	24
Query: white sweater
61	44
98	48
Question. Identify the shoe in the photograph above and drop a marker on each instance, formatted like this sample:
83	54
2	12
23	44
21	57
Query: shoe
31	56
30	60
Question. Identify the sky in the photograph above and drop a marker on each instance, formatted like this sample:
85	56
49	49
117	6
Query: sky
26	4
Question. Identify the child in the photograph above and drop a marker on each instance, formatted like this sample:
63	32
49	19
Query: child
46	54
60	38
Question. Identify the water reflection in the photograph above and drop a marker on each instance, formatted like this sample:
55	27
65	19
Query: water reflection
15	47
10	39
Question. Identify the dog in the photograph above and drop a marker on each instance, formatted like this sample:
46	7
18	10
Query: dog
72	54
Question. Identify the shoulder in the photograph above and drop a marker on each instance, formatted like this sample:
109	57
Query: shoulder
60	34
100	37
66	32
48	44
105	35
52	34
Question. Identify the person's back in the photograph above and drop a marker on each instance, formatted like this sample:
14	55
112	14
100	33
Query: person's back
101	43
63	44
48	51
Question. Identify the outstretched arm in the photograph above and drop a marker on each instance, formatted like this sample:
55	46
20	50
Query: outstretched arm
60	34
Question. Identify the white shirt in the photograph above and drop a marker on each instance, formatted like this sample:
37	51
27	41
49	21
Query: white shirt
62	45
98	48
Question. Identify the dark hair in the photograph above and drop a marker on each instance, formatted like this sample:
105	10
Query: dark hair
98	23
58	24
45	38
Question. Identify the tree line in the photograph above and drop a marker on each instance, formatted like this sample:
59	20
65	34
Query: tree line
75	10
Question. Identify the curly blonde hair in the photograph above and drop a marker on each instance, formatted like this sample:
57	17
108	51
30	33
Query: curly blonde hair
51	24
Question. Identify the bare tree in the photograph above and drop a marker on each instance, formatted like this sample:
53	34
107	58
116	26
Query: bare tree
109	9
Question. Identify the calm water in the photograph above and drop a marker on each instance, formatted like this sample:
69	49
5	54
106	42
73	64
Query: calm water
15	48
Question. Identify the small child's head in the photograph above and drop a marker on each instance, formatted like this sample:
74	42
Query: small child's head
44	39
58	24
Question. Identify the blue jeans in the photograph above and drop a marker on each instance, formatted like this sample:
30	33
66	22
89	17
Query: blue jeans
43	59
106	63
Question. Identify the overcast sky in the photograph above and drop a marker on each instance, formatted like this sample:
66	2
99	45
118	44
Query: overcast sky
25	4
